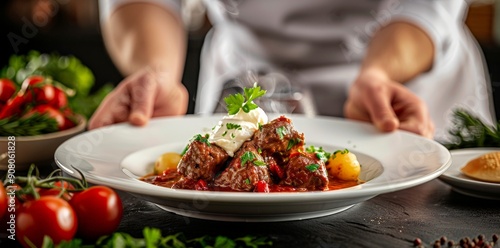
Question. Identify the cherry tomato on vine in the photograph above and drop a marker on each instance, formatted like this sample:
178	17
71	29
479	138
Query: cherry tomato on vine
99	210
54	191
48	215
7	89
60	99
32	80
13	106
4	201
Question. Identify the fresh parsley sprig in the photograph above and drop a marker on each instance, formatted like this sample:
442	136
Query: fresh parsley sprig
153	237
245	102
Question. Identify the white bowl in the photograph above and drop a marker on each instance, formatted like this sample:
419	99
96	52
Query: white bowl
37	149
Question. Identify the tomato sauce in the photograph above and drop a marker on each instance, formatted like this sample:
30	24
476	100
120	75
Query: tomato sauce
169	177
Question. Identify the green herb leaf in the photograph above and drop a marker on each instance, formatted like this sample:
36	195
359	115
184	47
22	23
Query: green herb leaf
320	153
312	167
259	163
230	126
203	139
345	151
247	181
281	131
293	142
248	156
238	101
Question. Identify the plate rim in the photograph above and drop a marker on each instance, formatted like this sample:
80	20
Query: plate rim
246	197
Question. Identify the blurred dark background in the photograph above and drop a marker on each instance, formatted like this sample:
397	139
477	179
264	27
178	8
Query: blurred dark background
73	29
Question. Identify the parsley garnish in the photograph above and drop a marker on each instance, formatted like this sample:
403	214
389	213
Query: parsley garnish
293	142
281	131
247	181
245	102
233	136
224	133
259	163
153	237
248	156
230	126
312	167
345	151
320	153
202	139
185	150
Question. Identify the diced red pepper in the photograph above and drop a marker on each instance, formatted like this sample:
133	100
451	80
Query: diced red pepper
262	187
201	185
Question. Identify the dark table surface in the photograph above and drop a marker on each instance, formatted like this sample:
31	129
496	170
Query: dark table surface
428	211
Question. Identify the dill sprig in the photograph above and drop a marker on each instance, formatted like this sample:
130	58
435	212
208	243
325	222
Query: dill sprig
470	131
34	124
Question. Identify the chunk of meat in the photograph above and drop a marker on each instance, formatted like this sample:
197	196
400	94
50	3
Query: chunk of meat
278	138
305	170
202	161
245	170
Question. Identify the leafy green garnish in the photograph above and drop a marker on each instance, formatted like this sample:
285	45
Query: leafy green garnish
230	126
282	131
249	156
202	139
247	181
152	237
320	153
292	143
469	131
245	102
345	151
312	167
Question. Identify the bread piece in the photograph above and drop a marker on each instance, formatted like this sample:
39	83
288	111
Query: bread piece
485	167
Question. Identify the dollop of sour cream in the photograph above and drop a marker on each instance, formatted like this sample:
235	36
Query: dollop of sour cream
233	130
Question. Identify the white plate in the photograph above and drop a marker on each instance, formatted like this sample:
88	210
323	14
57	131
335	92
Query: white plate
466	185
117	155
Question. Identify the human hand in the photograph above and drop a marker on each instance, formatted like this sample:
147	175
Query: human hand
145	94
389	105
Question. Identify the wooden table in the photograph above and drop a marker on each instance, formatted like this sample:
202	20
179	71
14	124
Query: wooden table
428	211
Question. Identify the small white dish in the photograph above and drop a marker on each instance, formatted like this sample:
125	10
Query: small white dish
119	154
467	185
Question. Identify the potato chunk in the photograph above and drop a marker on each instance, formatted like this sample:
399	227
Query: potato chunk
344	165
166	161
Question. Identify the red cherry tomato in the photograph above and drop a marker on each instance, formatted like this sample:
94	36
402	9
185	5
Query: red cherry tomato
4	202
31	80
13	106
7	89
99	210
49	215
60	99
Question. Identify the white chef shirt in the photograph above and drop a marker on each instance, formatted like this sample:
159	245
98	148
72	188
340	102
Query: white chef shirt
316	46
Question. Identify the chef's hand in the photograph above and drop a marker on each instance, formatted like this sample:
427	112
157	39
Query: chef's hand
389	105
145	94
